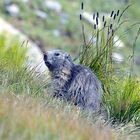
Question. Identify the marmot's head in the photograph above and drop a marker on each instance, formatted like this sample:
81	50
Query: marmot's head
57	59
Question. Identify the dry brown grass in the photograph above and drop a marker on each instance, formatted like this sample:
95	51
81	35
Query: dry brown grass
23	117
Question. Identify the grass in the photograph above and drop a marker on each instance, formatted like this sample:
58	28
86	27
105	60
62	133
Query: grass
123	101
27	21
30	118
14	75
28	112
121	97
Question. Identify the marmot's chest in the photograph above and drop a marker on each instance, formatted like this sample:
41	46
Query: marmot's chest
61	84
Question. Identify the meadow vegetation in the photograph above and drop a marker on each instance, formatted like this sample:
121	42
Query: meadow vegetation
121	97
69	38
27	111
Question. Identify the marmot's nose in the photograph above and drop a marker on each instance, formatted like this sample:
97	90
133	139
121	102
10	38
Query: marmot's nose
45	57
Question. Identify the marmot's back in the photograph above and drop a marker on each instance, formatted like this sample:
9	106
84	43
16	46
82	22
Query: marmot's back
75	83
85	90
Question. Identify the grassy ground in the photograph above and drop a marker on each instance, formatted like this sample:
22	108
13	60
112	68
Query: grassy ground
25	117
28	112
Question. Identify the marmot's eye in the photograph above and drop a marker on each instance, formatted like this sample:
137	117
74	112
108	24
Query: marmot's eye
67	56
57	54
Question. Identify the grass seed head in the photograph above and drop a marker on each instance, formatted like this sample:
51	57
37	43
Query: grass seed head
118	12
112	13
82	5
93	16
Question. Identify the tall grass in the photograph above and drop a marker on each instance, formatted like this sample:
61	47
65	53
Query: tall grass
26	117
14	75
121	98
123	102
23	116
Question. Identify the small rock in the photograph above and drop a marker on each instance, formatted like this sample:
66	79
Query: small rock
118	43
117	57
64	18
53	5
6	27
41	14
56	33
34	54
13	10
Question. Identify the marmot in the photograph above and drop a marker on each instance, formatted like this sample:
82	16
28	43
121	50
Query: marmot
74	83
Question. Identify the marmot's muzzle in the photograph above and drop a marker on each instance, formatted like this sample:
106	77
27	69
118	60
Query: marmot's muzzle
48	64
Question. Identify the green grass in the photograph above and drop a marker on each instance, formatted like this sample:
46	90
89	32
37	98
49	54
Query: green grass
28	112
14	75
123	101
27	21
121	98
